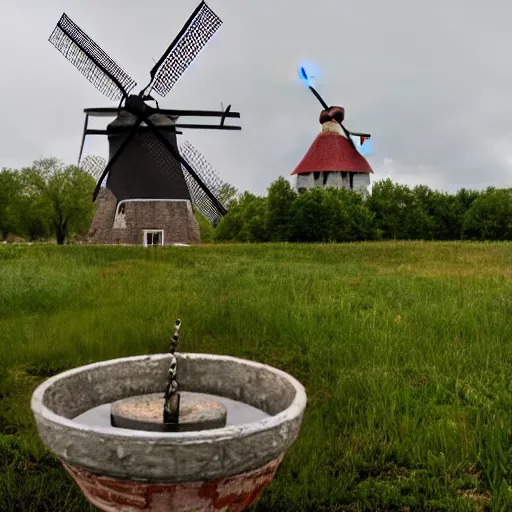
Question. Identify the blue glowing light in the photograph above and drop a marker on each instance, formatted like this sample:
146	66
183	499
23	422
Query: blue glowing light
365	148
303	75
307	71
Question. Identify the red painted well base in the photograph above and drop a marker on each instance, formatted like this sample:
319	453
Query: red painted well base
232	494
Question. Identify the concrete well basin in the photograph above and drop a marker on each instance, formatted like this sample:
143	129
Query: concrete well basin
223	469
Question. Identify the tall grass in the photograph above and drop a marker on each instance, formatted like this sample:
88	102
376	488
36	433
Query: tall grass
404	348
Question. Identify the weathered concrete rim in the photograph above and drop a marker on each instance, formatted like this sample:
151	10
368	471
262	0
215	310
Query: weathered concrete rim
293	410
188	456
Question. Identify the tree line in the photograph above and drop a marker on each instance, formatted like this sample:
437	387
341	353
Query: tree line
391	212
52	201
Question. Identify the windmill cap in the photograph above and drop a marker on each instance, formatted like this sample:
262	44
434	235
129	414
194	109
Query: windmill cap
332	114
331	150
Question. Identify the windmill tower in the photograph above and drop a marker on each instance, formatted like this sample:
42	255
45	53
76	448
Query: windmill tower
150	186
333	159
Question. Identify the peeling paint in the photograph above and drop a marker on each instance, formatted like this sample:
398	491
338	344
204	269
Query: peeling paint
232	494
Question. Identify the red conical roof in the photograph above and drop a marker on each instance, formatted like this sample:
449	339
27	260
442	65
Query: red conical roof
332	151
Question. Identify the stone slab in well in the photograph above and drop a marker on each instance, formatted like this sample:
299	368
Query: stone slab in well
145	412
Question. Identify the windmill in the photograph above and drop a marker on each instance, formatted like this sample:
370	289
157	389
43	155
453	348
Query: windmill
333	159
149	184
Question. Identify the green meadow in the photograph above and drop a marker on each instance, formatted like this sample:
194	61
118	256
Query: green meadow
405	350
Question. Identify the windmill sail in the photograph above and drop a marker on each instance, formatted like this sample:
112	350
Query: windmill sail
197	31
203	168
94	165
208	176
90	59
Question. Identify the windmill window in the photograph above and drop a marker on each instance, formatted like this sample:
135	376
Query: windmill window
153	237
351	180
121	209
325	176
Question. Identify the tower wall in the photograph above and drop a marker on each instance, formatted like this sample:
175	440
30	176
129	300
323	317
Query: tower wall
303	181
361	183
124	223
337	180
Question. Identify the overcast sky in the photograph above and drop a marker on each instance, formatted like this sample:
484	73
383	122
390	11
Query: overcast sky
431	81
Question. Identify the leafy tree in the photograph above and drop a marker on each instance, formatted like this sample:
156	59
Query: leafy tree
245	220
279	215
422	224
66	192
350	219
332	215
35	217
227	194
445	219
490	216
400	213
206	230
230	225
465	198
463	201
10	195
312	214
383	203
254	208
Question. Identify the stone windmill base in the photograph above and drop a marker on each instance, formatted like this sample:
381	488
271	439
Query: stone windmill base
143	222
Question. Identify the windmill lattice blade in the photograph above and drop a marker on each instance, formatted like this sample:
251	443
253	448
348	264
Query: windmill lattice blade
90	59
183	50
201	201
202	167
94	165
175	171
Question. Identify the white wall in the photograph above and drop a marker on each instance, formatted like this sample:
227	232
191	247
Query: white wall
361	181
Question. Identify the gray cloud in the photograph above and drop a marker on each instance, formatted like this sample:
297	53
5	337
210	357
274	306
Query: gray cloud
429	80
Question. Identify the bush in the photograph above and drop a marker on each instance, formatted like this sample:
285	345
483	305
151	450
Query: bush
490	216
245	221
392	211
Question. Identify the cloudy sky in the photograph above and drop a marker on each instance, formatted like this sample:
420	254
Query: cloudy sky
430	80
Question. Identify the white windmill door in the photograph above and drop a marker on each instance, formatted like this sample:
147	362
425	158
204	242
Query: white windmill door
153	237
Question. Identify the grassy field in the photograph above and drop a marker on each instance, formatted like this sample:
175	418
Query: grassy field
404	348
